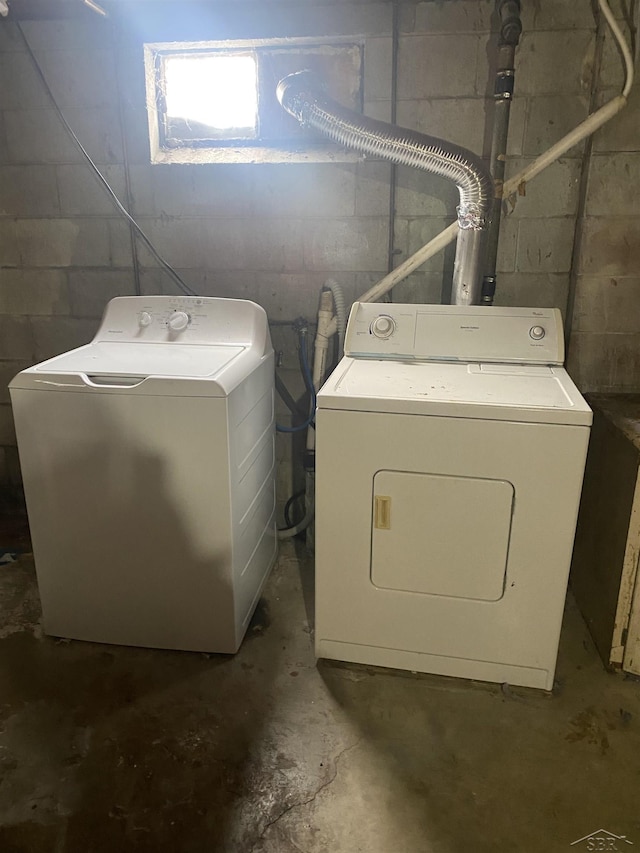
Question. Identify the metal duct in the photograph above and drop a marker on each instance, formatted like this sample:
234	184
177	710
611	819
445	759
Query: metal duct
302	96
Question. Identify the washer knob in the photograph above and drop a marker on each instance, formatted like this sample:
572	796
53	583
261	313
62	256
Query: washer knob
178	321
537	333
145	319
383	326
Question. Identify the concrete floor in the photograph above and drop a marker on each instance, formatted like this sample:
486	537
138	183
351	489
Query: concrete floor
105	748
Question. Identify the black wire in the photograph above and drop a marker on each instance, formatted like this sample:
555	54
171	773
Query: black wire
303	359
128	195
288	506
308	381
183	286
291	404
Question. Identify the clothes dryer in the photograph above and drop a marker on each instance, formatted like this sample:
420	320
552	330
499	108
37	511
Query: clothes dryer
451	445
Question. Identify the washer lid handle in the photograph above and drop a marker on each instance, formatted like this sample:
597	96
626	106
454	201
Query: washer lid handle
112	380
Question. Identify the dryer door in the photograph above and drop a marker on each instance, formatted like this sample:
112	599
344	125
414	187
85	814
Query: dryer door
441	535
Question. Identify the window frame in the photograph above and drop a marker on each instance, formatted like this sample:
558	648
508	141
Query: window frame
300	146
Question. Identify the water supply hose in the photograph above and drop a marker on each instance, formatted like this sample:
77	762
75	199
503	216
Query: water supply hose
301	94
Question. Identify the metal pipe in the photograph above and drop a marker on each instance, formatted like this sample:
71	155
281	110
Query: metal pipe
393	169
511	28
302	96
468	261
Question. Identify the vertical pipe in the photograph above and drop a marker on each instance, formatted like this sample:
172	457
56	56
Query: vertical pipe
393	169
511	27
467	267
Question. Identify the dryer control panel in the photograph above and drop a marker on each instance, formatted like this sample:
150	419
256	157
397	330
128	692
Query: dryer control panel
455	333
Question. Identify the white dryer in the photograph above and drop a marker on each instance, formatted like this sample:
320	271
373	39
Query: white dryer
450	453
148	466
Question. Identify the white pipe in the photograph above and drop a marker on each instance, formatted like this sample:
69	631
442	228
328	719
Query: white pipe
321	347
94	6
340	311
622	44
586	128
427	251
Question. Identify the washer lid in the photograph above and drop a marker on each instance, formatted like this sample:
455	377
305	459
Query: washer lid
524	393
171	370
128	359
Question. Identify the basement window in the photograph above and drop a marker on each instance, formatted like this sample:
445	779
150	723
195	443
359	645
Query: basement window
215	102
210	96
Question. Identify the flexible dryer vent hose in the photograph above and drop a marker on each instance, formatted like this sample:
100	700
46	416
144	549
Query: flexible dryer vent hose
302	96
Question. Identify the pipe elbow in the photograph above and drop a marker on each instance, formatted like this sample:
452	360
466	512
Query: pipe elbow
302	95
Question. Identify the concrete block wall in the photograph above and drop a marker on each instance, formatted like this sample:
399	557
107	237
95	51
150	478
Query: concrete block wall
605	342
274	233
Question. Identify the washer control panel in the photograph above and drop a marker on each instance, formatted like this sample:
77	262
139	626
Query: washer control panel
182	320
455	333
173	316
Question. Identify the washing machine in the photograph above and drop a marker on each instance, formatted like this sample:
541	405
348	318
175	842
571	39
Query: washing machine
451	446
148	466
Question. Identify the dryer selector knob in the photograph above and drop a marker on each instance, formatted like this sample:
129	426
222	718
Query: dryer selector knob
537	333
178	321
145	319
383	326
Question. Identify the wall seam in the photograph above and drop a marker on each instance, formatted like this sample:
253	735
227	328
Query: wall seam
583	187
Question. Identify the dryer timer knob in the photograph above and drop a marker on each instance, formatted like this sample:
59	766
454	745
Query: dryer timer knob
178	321
383	326
537	333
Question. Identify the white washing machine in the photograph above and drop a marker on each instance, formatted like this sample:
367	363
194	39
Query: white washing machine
148	466
450	452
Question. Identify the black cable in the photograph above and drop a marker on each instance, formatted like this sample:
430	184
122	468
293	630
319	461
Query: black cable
182	285
286	397
287	508
308	381
303	360
128	195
